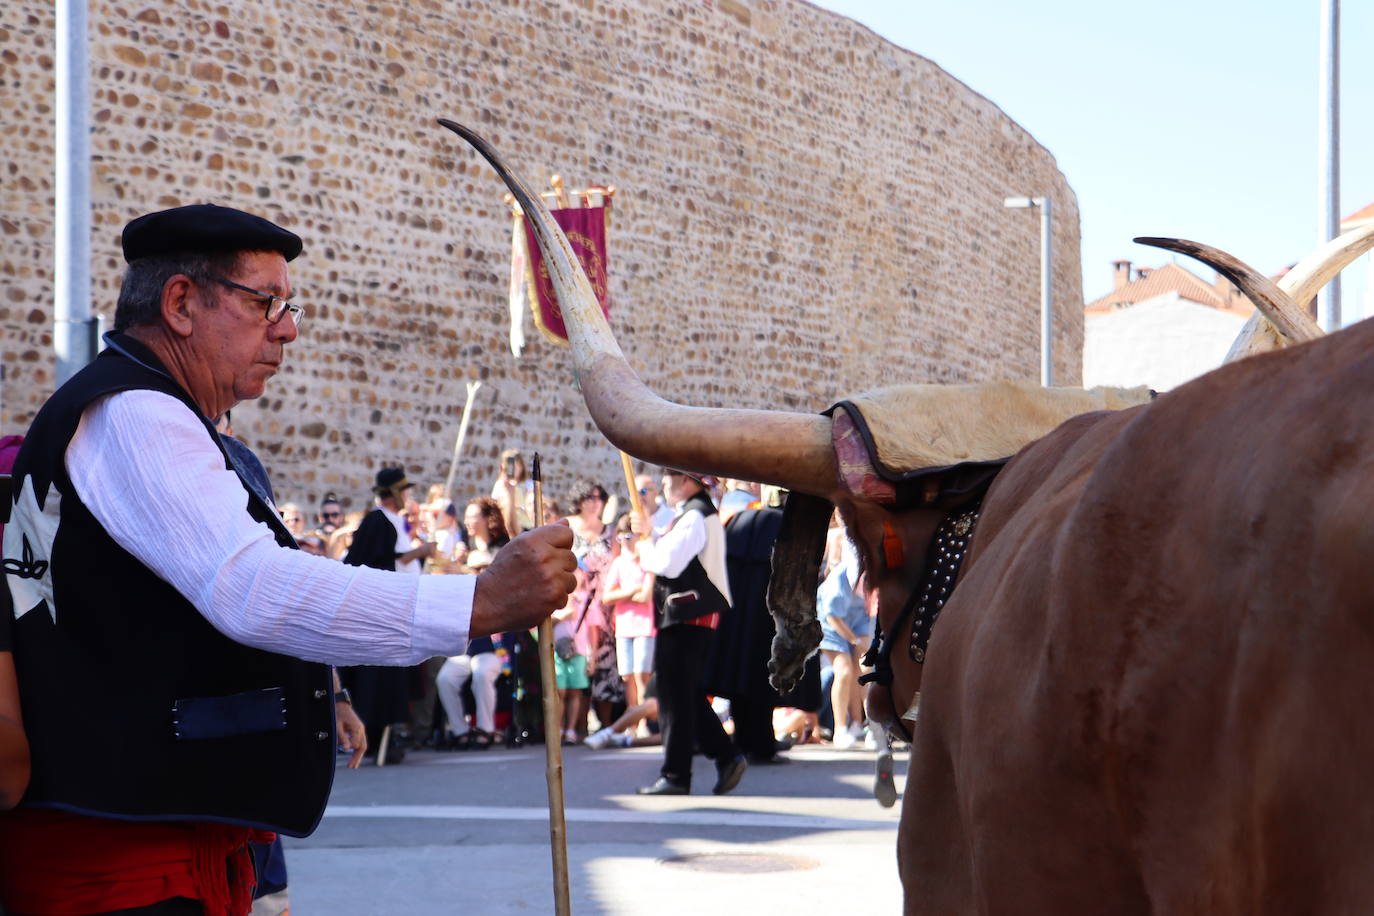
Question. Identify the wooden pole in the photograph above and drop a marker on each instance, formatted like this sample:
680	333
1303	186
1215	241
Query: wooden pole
636	503
559	194
458	443
553	732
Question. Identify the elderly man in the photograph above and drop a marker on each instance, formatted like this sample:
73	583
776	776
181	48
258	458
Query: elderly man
691	590
164	620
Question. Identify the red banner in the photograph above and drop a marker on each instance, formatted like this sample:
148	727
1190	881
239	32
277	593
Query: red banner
585	228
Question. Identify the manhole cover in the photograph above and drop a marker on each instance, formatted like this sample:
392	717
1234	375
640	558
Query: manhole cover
740	863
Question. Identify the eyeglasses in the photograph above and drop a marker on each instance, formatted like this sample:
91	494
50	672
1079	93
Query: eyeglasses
276	306
644	491
626	537
330	514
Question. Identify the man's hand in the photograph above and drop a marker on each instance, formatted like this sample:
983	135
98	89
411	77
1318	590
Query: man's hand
530	578
640	525
423	551
352	734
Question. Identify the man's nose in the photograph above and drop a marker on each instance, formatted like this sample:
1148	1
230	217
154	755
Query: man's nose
284	330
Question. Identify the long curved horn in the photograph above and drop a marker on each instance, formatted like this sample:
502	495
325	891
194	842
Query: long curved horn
1291	320
790	450
1256	336
1313	272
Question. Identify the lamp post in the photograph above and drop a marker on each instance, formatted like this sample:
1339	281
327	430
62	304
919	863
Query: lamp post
1329	153
1046	259
73	328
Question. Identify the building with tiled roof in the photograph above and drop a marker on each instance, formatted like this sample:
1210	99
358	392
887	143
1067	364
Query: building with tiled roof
1361	216
1159	326
1145	283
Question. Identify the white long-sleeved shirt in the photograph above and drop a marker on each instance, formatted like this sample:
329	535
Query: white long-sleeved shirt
691	535
143	464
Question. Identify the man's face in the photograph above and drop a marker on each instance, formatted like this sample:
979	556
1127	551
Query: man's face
294	521
677	487
648	490
331	515
232	336
435	515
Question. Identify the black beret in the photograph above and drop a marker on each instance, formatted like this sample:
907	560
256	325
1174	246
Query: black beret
205	227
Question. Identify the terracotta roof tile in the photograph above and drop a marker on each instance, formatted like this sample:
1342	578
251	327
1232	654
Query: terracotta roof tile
1171	278
1362	215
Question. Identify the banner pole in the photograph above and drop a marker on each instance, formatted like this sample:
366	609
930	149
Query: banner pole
553	732
458	443
636	503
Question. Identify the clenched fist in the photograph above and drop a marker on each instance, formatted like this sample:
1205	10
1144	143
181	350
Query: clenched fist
528	579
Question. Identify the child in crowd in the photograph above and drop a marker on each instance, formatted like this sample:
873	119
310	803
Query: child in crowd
570	665
629	592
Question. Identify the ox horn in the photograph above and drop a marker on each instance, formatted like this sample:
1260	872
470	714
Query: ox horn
789	450
1301	283
1309	275
1289	319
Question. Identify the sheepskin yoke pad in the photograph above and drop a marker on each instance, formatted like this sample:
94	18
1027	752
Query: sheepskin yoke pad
923	444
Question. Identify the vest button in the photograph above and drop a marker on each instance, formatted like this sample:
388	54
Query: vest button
320	694
321	736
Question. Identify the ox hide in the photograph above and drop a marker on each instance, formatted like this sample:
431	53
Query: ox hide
1150	691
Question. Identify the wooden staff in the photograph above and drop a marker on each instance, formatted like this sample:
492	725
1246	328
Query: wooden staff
553	750
636	503
458	443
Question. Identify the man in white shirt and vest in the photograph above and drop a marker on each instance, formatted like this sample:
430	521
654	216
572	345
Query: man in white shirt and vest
163	614
691	590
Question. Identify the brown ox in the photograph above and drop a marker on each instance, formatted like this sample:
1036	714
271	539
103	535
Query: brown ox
1149	691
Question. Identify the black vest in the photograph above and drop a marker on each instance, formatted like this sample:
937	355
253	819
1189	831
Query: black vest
691	593
135	706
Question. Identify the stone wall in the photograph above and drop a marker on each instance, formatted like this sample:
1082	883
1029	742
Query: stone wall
804	209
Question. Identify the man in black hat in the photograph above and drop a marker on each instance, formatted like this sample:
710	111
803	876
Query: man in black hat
163	614
381	694
691	591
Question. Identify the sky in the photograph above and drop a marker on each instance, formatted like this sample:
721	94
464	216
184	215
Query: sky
1188	118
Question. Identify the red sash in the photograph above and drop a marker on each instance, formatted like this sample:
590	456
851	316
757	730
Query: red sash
60	864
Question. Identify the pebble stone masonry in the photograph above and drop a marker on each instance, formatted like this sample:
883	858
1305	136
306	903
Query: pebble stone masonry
805	210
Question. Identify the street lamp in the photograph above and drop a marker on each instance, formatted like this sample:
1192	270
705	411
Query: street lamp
1046	308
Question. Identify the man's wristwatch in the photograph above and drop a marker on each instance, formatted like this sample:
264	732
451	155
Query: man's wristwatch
343	696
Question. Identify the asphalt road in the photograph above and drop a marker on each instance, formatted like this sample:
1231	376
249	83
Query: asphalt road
468	833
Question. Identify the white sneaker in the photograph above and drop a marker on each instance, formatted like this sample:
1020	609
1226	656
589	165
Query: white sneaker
844	739
870	739
856	729
598	740
623	739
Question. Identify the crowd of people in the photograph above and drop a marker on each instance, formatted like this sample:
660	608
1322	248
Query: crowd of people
604	638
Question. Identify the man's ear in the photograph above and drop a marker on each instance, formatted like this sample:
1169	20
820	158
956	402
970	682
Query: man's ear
177	293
